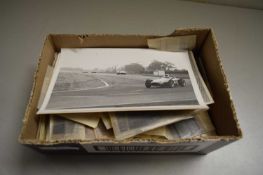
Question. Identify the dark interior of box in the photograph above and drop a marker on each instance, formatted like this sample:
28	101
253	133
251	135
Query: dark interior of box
222	112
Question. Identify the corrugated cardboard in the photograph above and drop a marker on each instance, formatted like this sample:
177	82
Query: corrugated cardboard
222	112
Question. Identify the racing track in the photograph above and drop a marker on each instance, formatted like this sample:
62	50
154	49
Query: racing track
122	90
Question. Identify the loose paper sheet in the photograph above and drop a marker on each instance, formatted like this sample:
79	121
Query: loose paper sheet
175	44
106	120
128	124
61	129
89	119
199	125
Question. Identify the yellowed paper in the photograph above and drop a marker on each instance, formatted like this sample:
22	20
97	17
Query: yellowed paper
106	120
177	43
88	119
162	131
102	133
89	133
41	134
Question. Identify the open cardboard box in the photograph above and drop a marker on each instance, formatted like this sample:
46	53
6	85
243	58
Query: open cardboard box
222	112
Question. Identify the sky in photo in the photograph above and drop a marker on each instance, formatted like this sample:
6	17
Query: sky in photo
103	58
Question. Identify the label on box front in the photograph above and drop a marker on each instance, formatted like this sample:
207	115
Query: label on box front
146	148
58	148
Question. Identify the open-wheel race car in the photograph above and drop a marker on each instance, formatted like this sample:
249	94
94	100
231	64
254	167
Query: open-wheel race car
165	81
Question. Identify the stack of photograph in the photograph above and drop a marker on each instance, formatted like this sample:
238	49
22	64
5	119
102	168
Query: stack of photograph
124	94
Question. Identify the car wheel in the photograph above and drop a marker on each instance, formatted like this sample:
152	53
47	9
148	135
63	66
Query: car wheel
182	82
148	83
171	84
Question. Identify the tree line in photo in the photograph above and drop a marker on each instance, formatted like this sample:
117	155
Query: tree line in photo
136	68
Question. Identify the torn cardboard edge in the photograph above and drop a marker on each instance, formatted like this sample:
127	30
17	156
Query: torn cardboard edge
136	140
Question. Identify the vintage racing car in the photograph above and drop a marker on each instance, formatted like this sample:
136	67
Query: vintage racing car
165	81
121	72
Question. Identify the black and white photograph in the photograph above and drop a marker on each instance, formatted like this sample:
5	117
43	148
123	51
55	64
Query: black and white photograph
111	79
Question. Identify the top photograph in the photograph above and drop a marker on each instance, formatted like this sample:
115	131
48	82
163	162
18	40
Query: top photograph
119	79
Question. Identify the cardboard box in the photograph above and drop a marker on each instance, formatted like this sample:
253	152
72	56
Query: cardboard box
222	112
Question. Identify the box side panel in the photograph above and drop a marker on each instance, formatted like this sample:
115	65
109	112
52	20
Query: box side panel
29	128
147	148
200	33
215	146
120	41
222	111
108	41
127	148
